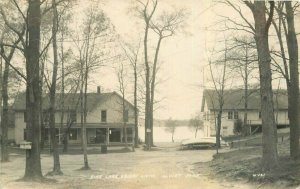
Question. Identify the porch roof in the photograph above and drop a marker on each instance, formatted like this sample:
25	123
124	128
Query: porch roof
100	125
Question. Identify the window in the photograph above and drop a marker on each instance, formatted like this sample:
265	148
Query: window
129	131
259	115
73	116
126	116
233	115
73	134
230	115
236	115
103	116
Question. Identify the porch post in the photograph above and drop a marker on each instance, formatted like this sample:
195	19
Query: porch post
59	142
122	134
107	136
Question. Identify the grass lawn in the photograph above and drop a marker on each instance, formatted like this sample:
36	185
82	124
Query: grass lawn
245	164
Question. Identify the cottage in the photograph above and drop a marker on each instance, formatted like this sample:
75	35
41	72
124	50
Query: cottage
105	123
234	110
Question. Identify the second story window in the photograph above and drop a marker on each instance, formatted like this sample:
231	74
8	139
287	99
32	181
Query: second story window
259	115
236	115
230	115
103	116
233	115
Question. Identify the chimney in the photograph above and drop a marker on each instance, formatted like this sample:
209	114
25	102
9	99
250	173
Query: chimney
98	89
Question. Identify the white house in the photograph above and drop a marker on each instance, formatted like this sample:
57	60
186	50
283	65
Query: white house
105	123
234	109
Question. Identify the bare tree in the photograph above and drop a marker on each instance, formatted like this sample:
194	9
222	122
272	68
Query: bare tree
63	57
294	101
166	25
7	57
52	106
196	123
260	31
121	74
219	83
262	25
132	54
242	58
28	31
32	54
147	13
94	28
285	30
171	127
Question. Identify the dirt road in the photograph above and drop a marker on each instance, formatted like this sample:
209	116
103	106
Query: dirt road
165	168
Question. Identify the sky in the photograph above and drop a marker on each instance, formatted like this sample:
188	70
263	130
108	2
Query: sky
183	57
180	57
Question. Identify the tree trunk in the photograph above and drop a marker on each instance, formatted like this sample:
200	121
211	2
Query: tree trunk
270	155
196	132
66	140
136	133
4	116
147	18
124	109
152	89
33	169
218	131
41	107
246	129
1	79
84	139
293	98
52	108
147	105
64	130
84	75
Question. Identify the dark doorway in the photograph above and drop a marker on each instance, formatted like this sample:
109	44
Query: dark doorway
100	135
114	135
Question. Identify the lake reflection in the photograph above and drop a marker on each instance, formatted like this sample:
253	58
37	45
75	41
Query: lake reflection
161	135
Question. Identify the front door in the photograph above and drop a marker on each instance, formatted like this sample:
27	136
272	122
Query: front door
114	135
100	135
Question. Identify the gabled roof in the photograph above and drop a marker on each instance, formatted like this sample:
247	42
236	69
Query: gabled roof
234	99
71	101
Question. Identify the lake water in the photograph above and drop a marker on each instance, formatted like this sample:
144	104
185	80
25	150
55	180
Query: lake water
161	135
